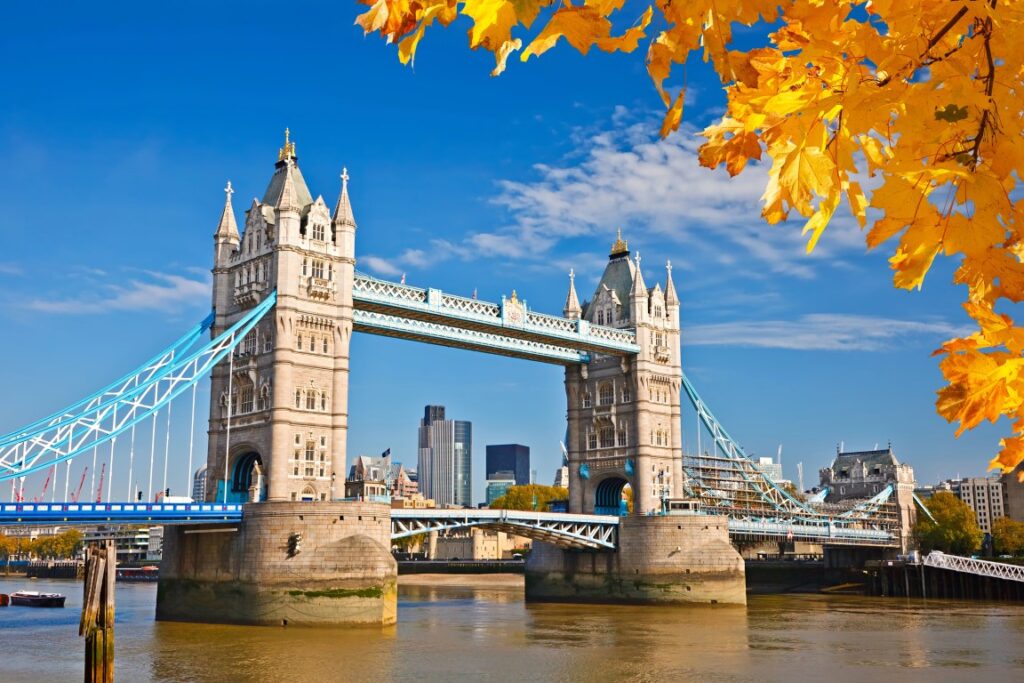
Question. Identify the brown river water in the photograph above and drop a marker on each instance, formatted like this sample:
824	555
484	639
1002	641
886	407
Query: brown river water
488	633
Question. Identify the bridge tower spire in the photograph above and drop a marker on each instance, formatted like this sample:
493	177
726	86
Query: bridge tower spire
287	397
624	413
572	308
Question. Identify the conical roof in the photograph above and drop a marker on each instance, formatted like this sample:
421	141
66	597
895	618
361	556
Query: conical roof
572	307
343	210
671	298
227	228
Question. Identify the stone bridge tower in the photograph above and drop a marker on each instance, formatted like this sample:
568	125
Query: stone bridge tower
624	413
286	386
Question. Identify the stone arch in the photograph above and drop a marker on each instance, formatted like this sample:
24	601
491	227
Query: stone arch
608	496
244	470
308	494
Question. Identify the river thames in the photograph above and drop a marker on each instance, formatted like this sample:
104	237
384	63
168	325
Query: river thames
451	632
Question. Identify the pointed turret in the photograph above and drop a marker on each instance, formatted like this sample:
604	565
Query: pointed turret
343	210
288	199
227	228
572	309
671	298
639	288
287	190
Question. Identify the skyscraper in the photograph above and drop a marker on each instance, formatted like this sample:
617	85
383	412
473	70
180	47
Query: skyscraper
445	458
511	457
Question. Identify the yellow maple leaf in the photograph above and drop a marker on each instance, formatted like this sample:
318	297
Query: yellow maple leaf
583	27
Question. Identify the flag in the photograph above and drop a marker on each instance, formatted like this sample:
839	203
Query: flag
386	453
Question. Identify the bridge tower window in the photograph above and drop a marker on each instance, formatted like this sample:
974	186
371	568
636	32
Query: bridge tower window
318	269
246	402
600	317
311	400
606	394
305	267
325	344
318	232
591	440
607	436
586	399
323	401
626	396
622	436
298	342
298	398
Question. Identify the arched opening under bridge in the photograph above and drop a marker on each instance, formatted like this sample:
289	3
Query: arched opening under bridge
613	496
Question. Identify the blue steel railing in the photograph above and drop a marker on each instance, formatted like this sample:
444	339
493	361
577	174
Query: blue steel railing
117	513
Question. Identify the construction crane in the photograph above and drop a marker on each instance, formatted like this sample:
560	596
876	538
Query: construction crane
99	489
46	485
74	497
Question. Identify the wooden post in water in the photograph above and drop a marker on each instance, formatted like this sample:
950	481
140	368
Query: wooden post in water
97	624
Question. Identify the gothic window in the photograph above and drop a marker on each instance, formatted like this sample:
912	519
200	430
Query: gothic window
298	440
323	401
310	400
325	344
323	441
607	436
259	272
606	394
586	399
310	452
245	404
318	232
591	440
298	342
622	436
264	398
658	313
318	269
330	271
659	339
268	344
259	240
600	317
626	398
298	398
305	267
249	343
608	317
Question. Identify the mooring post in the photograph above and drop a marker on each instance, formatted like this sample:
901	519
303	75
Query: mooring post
97	623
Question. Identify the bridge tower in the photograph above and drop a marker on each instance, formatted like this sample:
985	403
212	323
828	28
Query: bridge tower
624	419
279	406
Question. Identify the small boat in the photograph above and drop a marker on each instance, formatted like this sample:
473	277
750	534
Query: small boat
5	599
36	599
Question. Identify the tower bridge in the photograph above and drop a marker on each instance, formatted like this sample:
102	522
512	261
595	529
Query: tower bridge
286	300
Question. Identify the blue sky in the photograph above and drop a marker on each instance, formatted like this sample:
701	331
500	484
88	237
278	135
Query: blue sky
120	125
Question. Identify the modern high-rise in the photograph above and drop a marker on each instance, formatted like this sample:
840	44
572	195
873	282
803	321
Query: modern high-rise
445	458
509	457
984	495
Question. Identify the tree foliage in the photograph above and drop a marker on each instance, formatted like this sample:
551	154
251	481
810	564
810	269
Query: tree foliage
530	497
60	546
955	529
1008	536
909	113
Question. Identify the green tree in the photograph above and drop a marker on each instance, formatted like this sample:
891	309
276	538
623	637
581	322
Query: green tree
530	497
1008	536
955	529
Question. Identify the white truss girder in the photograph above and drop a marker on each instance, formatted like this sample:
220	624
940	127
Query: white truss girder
593	532
957	563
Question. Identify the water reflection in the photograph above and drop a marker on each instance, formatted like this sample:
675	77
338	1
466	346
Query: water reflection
489	633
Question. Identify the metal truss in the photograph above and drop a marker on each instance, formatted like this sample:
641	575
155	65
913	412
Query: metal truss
459	337
510	320
956	563
732	484
27	514
141	374
593	532
113	410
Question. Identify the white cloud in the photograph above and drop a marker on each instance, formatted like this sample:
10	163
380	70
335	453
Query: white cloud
151	291
380	266
654	190
11	269
821	332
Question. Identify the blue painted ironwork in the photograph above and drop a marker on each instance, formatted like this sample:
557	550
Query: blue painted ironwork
117	513
733	484
455	319
99	421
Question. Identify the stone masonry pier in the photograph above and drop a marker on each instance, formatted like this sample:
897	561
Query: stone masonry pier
322	564
668	559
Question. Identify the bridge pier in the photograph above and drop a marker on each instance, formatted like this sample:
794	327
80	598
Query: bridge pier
660	559
299	563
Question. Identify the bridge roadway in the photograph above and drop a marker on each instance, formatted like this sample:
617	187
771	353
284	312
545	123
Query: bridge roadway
595	532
